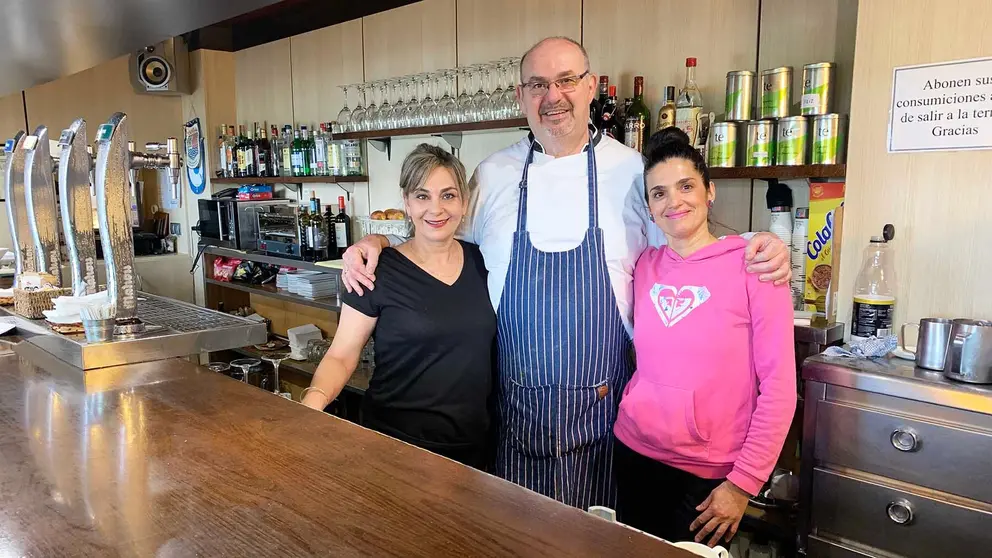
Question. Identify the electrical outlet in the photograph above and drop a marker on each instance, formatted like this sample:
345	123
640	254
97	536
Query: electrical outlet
175	229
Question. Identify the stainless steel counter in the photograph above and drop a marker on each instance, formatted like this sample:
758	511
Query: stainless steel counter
895	461
173	329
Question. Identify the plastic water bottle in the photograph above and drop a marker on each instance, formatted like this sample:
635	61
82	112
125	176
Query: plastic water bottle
875	289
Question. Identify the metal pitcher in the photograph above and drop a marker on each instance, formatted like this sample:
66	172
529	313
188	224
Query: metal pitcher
969	352
931	345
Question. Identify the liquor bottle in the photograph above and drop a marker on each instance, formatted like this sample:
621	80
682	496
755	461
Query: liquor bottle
250	149
222	148
320	151
317	238
287	151
239	150
353	163
666	114
306	152
342	230
303	222
275	153
297	154
332	246
598	105
263	154
689	104
231	154
609	123
637	123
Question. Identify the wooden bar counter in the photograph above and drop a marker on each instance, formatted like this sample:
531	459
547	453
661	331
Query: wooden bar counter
169	459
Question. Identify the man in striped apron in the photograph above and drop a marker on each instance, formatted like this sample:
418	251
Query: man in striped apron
561	218
563	359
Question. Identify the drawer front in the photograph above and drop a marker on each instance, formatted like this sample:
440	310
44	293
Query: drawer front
821	548
846	508
935	456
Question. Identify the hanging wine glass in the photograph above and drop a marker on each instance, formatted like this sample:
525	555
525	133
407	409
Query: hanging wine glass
447	107
481	98
344	115
496	97
412	114
359	116
466	106
385	108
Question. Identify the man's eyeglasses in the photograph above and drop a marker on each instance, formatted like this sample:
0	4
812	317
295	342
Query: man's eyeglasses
565	85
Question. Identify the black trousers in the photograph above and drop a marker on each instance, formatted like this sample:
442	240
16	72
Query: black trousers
657	498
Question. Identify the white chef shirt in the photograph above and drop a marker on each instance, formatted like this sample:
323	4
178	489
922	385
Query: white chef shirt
558	210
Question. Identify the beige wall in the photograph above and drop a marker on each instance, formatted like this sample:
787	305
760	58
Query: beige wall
938	202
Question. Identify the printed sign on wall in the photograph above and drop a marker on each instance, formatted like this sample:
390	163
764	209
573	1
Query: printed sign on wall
941	107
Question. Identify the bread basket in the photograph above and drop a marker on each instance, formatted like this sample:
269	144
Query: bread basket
32	304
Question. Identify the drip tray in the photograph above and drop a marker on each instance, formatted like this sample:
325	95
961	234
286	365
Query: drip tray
172	329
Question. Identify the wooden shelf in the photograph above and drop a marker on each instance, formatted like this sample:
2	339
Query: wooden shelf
331	303
265	258
289	180
488	126
780	172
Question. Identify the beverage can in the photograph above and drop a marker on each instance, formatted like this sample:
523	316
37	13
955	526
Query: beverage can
828	139
776	92
760	143
797	261
790	143
818	89
740	91
722	144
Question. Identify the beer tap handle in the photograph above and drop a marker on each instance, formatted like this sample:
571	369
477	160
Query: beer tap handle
175	164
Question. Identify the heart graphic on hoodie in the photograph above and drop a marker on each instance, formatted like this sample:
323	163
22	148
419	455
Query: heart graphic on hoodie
673	303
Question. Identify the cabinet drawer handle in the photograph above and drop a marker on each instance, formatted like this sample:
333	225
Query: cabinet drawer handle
900	511
905	439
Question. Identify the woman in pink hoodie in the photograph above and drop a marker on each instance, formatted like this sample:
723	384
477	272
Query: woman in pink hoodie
703	419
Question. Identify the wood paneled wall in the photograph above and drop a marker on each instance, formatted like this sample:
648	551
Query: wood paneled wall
490	30
322	60
415	38
938	202
264	82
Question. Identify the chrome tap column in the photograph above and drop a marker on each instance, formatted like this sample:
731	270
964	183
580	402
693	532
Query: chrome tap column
39	193
75	164
114	162
17	213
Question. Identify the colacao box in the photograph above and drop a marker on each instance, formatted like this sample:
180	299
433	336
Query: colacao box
824	199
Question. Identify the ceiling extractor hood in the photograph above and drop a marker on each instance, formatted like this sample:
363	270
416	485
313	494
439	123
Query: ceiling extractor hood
43	40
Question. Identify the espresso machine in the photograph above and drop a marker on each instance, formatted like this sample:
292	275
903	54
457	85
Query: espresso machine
148	327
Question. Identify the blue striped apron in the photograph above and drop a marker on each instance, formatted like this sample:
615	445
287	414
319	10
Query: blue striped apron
563	358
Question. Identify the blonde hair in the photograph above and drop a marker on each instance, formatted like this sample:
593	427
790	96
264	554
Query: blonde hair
422	161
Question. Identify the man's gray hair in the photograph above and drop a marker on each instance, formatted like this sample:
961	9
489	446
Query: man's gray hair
585	55
422	161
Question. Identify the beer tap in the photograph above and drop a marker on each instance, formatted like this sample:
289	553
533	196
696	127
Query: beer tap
39	195
114	162
75	167
17	213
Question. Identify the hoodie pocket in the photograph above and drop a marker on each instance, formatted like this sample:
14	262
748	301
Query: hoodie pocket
664	418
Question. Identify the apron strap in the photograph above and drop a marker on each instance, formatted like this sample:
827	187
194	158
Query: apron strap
593	187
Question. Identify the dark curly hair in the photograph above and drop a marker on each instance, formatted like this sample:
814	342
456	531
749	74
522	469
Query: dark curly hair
673	143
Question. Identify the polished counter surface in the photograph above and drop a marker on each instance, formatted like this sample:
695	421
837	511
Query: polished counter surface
898	378
168	459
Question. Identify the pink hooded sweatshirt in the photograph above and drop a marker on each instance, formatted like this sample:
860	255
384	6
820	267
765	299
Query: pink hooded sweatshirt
715	388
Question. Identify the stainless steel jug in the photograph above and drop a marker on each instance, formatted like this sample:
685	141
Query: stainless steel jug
969	352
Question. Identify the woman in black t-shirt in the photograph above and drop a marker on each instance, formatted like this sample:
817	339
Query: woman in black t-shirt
432	322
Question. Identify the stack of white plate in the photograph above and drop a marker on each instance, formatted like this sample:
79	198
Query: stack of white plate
318	285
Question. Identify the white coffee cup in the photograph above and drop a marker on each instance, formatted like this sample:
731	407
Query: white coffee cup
703	550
